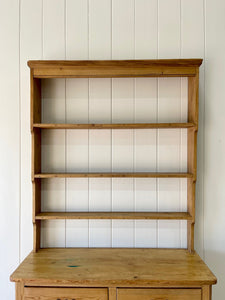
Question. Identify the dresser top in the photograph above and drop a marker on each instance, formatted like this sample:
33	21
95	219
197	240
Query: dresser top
100	267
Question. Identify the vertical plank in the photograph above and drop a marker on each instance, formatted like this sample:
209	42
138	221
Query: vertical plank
146	34
123	39
100	29
123	29
76	29
192	154
36	209
100	111
146	46
168	29
192	45
53	143
10	145
53	29
169	106
30	26
77	103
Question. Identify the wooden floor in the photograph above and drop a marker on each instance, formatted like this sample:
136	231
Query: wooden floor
91	267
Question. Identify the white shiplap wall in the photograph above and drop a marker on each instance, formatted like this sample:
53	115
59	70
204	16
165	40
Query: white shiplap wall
106	29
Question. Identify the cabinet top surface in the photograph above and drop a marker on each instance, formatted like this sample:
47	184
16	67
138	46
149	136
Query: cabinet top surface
114	68
113	267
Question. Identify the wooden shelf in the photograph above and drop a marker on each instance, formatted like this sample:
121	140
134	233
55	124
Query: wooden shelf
114	175
114	215
114	126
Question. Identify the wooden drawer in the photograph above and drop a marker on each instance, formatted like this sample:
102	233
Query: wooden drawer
159	294
42	293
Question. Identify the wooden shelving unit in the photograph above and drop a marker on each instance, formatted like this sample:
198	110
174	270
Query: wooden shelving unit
186	263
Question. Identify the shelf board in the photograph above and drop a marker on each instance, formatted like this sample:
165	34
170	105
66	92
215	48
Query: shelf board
114	215
114	175
114	126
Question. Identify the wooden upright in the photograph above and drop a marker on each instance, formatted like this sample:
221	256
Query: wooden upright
134	274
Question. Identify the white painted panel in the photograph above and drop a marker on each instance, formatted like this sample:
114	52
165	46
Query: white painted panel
30	48
77	111
77	100
146	100
100	151
214	144
100	29
168	194
145	194
168	150
9	146
77	151
76	29
145	234
100	233
77	233
169	29
146	107
123	100
145	150
53	151
54	29
53	142
53	233
123	233
100	194
122	150
77	194
169	110
53	101
146	33
123	29
100	100
192	28
169	234
123	197
169	105
53	194
100	141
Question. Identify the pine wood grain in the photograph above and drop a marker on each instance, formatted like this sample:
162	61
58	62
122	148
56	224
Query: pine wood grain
114	126
156	294
65	293
193	89
114	215
115	68
89	267
114	175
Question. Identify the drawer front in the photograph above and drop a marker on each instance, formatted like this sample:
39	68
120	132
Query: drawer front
42	293
159	294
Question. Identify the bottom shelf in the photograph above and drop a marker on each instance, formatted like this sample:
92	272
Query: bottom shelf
114	215
114	267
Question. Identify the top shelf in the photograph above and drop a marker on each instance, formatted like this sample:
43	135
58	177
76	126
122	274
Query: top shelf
114	68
